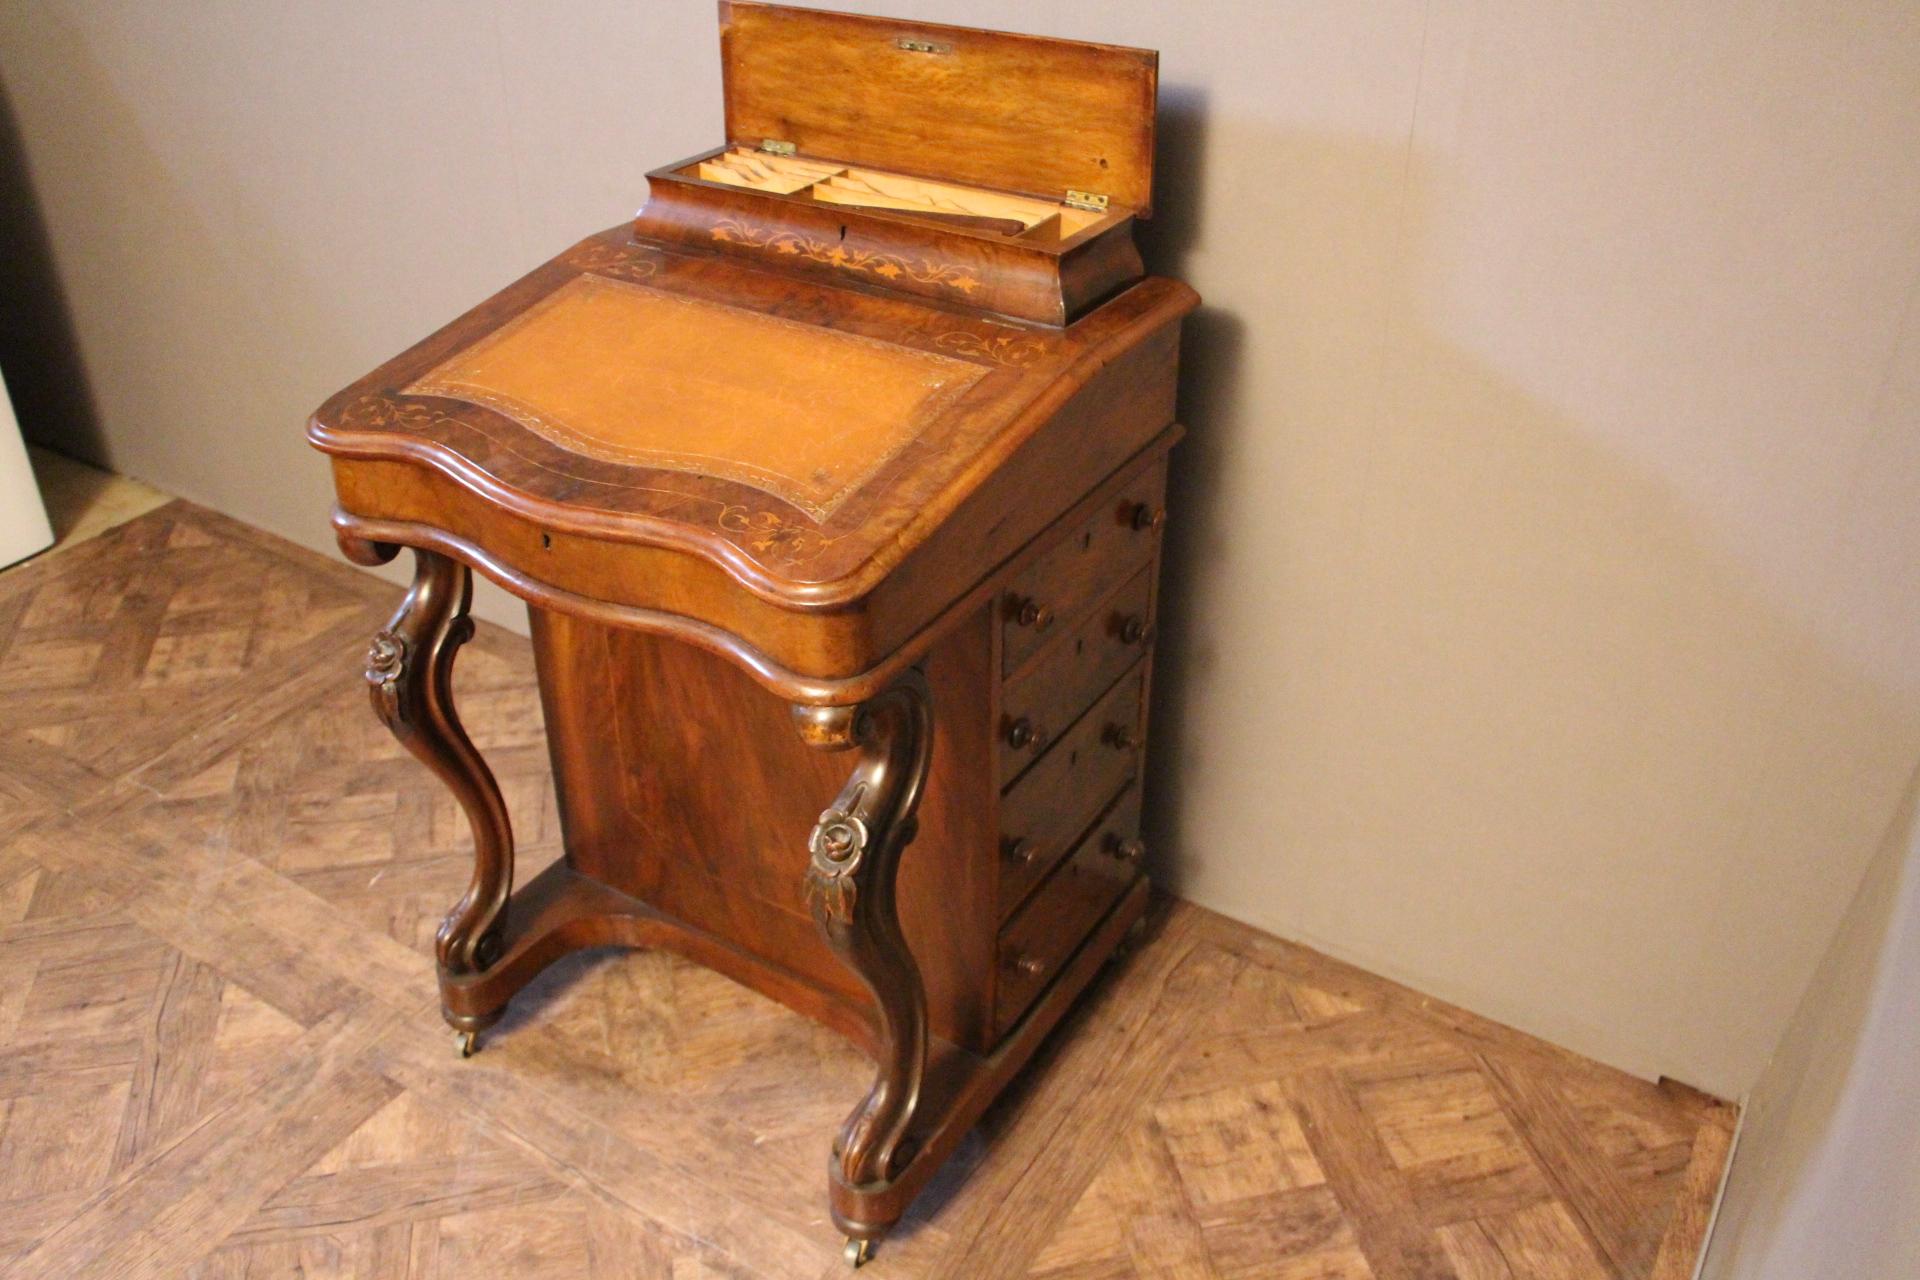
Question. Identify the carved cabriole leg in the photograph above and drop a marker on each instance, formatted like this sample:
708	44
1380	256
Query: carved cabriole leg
410	672
855	855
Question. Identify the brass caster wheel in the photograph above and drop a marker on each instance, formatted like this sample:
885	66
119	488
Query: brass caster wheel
857	1252
468	1042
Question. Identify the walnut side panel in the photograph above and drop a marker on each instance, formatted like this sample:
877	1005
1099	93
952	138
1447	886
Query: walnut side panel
682	783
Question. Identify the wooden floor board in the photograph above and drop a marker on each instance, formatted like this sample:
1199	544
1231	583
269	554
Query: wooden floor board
220	1054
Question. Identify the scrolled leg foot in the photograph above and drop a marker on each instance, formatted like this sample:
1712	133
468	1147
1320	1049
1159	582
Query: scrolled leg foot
410	677
854	856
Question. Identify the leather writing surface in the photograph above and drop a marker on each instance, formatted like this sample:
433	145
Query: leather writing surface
620	372
1096	370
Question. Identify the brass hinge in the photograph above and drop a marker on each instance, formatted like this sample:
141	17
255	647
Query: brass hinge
776	147
921	46
1088	200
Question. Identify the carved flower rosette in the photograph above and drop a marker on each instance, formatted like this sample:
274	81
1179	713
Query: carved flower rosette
386	656
386	662
838	844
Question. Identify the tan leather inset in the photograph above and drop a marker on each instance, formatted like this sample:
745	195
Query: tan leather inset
624	373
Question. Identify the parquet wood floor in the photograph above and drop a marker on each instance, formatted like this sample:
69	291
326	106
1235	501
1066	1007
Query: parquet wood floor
220	1053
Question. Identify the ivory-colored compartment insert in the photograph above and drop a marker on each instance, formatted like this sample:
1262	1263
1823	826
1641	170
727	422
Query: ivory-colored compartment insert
877	189
623	373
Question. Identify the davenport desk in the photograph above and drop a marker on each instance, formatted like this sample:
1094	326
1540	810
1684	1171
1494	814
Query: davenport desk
833	485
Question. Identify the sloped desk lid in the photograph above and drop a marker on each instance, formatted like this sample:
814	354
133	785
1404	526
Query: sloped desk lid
802	437
618	372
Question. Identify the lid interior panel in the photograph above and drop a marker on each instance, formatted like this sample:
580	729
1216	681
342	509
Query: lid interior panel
1016	113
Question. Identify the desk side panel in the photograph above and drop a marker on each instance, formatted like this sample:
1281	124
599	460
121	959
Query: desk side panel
683	783
1118	413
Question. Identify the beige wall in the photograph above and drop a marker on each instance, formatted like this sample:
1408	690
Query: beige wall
1827	1174
1544	619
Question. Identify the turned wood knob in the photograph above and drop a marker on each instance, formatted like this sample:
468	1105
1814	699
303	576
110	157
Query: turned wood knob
1031	613
1133	629
1032	966
1123	737
1124	849
1021	849
1146	516
1023	733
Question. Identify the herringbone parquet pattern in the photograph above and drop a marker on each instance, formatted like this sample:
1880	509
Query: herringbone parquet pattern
220	1054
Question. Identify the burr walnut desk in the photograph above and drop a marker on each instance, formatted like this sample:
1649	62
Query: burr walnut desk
833	486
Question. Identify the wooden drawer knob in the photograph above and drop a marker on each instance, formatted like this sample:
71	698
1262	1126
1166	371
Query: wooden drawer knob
1146	517
1123	736
1124	849
1029	612
1024	733
1021	849
1134	629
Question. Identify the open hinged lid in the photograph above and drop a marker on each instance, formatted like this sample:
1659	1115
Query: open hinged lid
1018	113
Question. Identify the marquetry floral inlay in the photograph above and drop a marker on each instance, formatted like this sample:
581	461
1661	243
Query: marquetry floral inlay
775	538
612	260
882	266
379	413
1008	349
772	537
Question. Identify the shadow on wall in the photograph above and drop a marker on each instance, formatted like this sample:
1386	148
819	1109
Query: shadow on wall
1210	407
38	350
166	319
162	290
1826	1167
1457	688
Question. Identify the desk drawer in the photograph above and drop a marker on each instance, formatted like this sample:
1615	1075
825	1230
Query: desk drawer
1050	927
1046	811
1050	695
1056	590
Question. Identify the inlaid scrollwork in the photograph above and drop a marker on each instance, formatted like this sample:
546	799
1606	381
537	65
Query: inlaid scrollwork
374	412
886	267
1013	349
776	539
612	260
